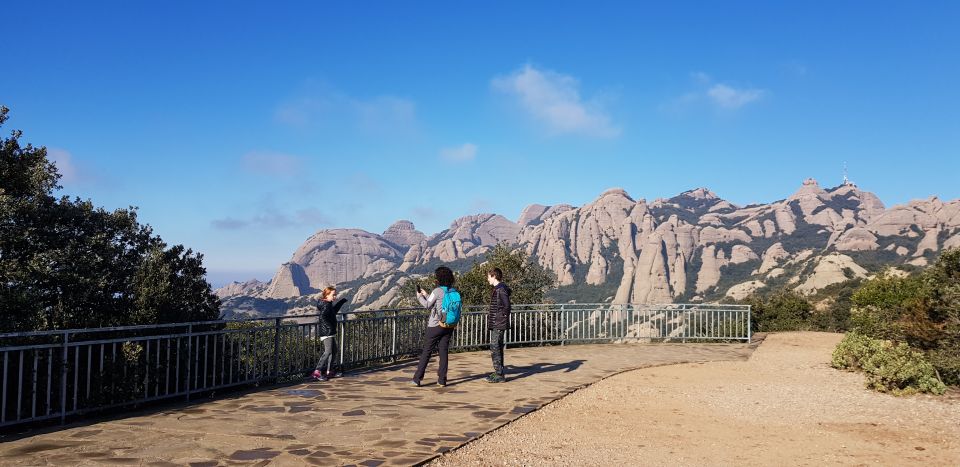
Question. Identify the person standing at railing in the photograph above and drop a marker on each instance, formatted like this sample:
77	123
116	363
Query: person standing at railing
327	331
498	321
438	333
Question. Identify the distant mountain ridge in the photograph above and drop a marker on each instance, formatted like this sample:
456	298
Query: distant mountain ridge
693	246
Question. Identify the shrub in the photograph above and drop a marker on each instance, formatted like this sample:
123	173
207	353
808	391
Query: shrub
783	310
902	370
854	349
946	360
889	367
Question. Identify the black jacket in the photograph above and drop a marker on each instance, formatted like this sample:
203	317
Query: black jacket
327	324
498	317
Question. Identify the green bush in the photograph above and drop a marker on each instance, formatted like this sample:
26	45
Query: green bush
783	310
854	349
895	368
947	362
921	310
902	370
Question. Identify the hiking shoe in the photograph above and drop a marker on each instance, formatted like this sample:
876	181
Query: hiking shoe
415	383
496	379
442	383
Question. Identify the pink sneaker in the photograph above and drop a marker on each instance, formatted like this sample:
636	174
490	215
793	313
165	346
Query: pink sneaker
316	375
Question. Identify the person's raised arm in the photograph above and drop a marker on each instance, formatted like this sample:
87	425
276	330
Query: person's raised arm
427	301
336	308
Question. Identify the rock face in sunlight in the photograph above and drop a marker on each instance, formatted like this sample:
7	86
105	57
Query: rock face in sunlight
404	234
693	246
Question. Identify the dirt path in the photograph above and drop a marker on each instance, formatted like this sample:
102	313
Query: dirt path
785	406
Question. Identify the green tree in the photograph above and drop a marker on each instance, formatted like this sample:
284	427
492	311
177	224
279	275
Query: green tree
528	280
921	310
942	318
65	263
883	306
782	310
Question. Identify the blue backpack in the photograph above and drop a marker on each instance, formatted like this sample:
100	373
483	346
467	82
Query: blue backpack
451	307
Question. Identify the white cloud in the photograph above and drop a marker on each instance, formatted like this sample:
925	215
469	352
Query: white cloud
732	98
65	165
273	164
480	205
75	173
796	68
323	106
701	77
269	216
554	100
719	95
424	213
385	113
464	153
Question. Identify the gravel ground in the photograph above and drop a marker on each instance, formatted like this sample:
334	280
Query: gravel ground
784	406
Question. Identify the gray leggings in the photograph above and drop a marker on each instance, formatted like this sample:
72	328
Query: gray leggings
327	355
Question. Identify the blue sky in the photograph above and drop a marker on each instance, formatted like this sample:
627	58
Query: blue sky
239	129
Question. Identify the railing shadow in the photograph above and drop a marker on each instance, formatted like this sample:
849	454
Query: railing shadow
514	372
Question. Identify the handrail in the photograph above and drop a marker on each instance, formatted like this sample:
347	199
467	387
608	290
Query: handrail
66	375
351	312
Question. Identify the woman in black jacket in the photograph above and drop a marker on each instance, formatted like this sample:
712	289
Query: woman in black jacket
327	331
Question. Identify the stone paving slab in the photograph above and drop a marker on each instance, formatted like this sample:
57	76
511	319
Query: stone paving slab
371	418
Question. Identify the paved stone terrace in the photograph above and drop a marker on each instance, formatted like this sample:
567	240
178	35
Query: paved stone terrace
371	418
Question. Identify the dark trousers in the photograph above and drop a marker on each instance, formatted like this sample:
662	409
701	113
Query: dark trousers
435	338
497	345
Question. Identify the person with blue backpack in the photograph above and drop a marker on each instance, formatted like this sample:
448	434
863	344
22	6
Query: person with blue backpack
445	304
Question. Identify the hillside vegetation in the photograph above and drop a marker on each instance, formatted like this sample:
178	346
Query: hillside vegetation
904	328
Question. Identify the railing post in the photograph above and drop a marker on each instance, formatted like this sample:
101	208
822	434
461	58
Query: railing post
63	379
393	339
563	327
749	324
189	357
276	348
343	335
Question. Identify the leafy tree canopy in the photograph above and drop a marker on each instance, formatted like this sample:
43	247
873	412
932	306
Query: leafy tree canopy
528	280
65	263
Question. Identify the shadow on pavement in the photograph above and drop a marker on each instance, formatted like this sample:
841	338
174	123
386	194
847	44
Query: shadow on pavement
519	372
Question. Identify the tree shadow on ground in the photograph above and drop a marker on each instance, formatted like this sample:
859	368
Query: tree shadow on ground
514	372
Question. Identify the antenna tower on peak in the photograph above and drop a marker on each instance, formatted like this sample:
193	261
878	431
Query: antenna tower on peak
846	180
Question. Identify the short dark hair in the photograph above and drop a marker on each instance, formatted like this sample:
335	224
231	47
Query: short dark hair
496	273
444	276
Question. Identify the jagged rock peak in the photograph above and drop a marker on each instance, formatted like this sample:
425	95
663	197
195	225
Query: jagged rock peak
342	255
700	193
532	213
239	288
615	192
536	214
810	187
403	232
289	281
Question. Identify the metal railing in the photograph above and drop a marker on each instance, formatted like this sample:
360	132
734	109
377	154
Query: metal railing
59	374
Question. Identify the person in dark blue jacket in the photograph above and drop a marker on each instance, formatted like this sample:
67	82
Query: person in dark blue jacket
498	321
327	331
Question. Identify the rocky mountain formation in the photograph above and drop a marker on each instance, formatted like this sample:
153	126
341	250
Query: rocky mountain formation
691	247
